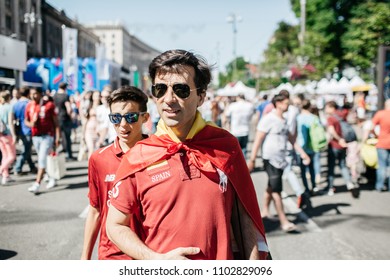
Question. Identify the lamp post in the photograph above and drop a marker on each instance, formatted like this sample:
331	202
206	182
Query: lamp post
32	20
303	23
233	19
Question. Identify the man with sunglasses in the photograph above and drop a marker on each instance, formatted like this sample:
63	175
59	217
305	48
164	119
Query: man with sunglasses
127	114
184	184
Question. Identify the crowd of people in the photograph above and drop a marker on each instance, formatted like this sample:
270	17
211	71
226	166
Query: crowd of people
295	132
174	162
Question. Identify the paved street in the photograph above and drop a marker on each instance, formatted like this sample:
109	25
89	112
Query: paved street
49	225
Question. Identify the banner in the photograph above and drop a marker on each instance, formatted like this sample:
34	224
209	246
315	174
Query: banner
70	63
102	66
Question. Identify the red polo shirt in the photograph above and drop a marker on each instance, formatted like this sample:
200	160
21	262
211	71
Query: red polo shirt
176	202
102	166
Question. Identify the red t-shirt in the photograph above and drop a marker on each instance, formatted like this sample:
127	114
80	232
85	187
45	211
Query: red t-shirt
102	166
382	118
45	112
333	121
168	196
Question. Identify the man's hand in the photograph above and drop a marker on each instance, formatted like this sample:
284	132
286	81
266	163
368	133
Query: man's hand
251	165
57	143
179	253
343	143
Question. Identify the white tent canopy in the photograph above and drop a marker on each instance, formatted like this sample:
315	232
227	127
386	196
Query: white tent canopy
325	86
285	86
236	89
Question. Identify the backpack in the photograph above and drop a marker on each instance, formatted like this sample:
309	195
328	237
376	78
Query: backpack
347	130
317	136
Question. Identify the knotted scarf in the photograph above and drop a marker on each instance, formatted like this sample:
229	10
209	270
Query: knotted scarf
209	148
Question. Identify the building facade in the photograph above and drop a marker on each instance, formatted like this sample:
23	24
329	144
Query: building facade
132	54
40	25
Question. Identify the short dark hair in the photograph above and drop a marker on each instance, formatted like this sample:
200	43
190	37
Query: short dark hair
174	60
306	104
279	98
285	93
63	85
331	104
38	90
24	91
129	93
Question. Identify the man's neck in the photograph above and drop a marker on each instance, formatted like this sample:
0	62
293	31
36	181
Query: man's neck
127	146
182	136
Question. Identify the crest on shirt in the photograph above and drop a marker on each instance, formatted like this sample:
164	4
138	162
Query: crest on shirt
159	171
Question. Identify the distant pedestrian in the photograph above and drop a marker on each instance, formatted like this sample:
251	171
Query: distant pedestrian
7	136
90	128
272	136
240	113
64	109
260	108
23	133
337	150
105	129
304	121
382	119
42	119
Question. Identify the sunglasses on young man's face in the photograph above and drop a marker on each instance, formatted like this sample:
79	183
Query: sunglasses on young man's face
129	117
182	91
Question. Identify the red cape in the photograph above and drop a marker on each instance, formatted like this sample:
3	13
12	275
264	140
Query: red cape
211	145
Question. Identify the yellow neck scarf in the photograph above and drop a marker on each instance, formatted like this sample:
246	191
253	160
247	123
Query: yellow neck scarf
197	126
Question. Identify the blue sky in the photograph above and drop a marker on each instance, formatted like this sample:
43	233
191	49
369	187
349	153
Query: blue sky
198	25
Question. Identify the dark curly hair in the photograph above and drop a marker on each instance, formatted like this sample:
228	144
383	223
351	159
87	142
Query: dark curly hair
174	60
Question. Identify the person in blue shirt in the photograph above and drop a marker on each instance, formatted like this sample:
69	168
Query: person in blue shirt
23	132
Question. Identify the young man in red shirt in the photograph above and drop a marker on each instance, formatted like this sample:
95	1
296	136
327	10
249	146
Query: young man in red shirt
183	186
127	113
382	118
41	117
337	150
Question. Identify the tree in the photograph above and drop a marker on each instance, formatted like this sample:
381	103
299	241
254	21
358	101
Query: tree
366	33
225	78
347	31
278	55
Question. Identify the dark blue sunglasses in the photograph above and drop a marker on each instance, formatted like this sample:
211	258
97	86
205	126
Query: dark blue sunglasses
129	117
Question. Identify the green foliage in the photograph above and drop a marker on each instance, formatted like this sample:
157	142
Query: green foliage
279	55
366	33
241	75
339	33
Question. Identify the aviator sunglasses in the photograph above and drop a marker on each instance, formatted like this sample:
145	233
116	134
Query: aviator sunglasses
181	90
129	117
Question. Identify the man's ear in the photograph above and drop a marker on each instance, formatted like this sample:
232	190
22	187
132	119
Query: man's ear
202	98
145	117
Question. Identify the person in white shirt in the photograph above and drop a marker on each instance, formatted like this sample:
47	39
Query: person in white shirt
240	114
105	129
272	136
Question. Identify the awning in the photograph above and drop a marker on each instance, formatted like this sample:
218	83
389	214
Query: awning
361	88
